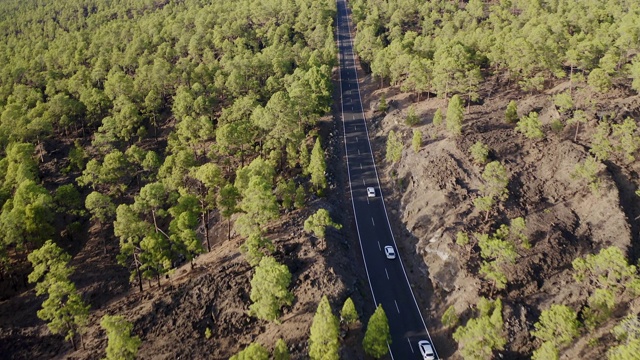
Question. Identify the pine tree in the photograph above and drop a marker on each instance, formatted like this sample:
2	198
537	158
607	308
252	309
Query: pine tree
455	115
416	141
280	351
254	351
269	289
64	311
481	335
300	197
318	223
227	203
348	314
450	318
437	118
559	324
317	167
255	248
511	114
412	119
121	345
530	126
259	205
50	264
394	147
601	146
579	117
377	336
323	342
479	152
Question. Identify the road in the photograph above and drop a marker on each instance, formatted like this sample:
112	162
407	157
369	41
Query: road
387	278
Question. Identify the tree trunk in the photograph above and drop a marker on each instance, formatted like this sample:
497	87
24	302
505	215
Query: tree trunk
205	222
135	260
73	343
575	137
229	228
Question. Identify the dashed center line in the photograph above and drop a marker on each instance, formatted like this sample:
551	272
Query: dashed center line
360	166
411	346
386	272
379	247
397	308
374	223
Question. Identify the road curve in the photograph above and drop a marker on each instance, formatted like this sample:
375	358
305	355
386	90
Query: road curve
387	278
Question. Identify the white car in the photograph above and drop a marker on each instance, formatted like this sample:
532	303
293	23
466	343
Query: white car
389	252
371	192
426	350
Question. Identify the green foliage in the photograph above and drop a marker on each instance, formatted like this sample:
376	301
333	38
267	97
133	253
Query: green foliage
579	117
517	228
377	335
394	147
608	276
588	171
462	238
318	223
495	187
437	118
348	314
317	167
255	248
546	351
511	114
77	157
530	126
50	265
412	119
259	206
601	146
482	334
300	197
627	139
563	102
498	252
254	351
27	218
63	310
450	317
599	80
455	115
207	333
628	333
269	289
68	200
383	106
121	345
559	325
479	152
280	351
324	342
416	140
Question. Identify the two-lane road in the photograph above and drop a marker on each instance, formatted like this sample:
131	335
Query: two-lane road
387	278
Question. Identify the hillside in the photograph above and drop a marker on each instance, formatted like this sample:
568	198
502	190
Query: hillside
172	177
513	177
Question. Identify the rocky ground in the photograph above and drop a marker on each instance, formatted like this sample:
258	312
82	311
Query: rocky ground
432	192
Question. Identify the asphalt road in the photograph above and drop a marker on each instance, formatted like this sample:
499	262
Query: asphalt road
387	278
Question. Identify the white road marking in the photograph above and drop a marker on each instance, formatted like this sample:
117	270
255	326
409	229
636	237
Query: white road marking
379	247
360	166
356	139
374	223
349	53
411	346
397	308
363	183
358	151
386	272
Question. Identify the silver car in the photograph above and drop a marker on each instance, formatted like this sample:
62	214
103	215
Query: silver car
426	350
